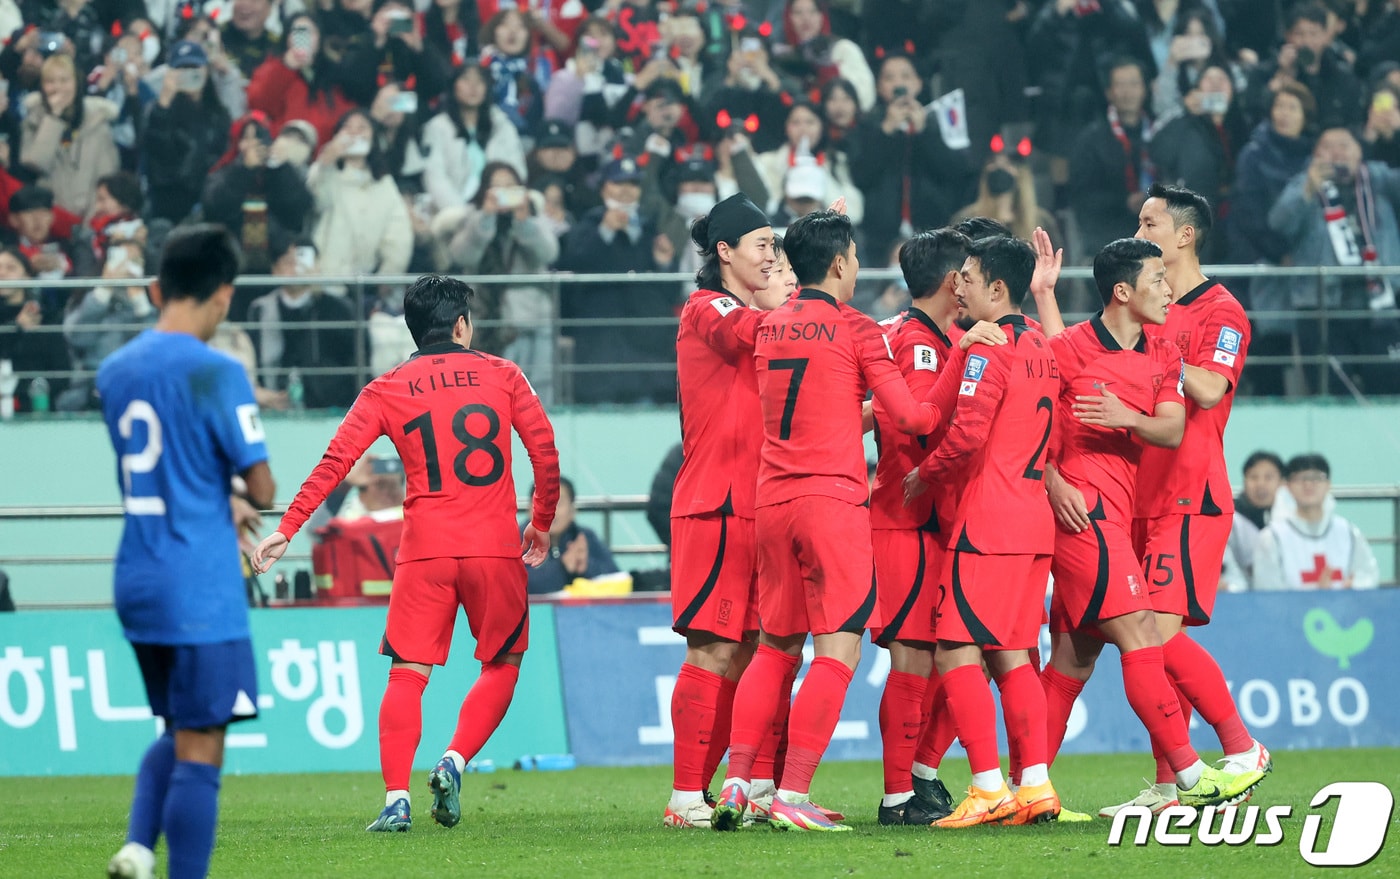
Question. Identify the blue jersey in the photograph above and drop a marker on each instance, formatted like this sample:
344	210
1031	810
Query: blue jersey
183	421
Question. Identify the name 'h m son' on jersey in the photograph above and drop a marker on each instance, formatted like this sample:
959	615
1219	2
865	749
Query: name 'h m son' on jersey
183	421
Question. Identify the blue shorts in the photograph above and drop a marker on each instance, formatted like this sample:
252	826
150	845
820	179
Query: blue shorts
200	686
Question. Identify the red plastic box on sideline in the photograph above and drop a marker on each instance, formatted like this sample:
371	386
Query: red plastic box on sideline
355	559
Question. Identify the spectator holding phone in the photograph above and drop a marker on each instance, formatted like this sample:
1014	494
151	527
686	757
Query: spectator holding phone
592	86
1195	43
395	53
186	133
120	79
400	136
1380	137
748	96
815	57
301	83
227	80
66	138
469	132
364	227
246	38
1309	56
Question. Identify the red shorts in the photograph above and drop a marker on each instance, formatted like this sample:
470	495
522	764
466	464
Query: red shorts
907	565
1097	577
1181	556
714	576
995	601
424	601
815	572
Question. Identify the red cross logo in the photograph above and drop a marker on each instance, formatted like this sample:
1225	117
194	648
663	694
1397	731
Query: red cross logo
1315	575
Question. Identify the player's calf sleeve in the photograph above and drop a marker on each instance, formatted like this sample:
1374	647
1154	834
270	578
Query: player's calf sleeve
484	707
901	725
772	751
974	716
1199	677
694	704
1023	709
152	783
755	702
1060	692
400	725
190	815
1153	700
724	726
815	712
939	729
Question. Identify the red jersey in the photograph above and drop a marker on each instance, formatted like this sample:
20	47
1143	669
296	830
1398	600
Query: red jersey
997	445
1211	331
1103	463
449	411
816	359
922	352
721	422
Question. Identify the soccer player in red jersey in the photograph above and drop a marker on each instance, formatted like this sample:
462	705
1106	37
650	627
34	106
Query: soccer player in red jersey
1184	507
992	587
1124	390
816	359
713	559
449	411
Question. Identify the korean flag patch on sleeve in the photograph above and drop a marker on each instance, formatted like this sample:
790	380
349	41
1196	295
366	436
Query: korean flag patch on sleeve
972	374
724	305
1227	346
925	358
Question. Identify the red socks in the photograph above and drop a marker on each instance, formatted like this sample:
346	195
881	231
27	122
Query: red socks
755	703
1023	710
724	720
815	712
694	706
1154	701
974	716
484	707
1199	677
1165	773
400	725
901	722
939	731
1060	692
772	753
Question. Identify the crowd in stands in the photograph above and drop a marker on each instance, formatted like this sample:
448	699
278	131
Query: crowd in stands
508	137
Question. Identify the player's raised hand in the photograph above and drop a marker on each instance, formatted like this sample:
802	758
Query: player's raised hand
913	486
982	333
1048	262
1067	502
534	546
1105	411
269	551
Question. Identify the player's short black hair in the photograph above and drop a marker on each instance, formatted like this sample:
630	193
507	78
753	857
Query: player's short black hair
1262	457
813	241
196	261
1120	262
1009	260
1306	11
432	305
928	257
1187	208
125	189
982	227
1305	462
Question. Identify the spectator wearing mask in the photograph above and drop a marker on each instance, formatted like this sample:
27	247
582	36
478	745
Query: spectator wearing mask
284	332
301	83
251	197
555	162
748	95
469	132
574	550
1006	193
364	226
1342	211
1311	547
246	37
520	68
186	133
1263	476
1380	136
697	193
1110	168
1309	57
66	138
395	53
814	57
43	234
28	349
804	138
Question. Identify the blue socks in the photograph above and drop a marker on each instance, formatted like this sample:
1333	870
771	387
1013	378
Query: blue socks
148	802
191	811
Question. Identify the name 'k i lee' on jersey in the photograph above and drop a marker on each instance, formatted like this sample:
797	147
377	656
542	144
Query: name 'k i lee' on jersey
1103	463
448	411
183	421
1209	328
997	445
721	433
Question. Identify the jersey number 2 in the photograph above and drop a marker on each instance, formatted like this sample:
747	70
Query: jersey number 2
485	443
143	461
798	365
1032	471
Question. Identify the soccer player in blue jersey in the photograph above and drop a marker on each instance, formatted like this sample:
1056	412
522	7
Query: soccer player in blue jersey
184	424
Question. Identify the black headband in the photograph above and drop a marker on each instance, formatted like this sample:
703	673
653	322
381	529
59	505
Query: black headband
734	218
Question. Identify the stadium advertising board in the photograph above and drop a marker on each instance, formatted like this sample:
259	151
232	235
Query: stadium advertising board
1310	670
72	702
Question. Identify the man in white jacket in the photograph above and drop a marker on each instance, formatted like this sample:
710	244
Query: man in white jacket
1312	547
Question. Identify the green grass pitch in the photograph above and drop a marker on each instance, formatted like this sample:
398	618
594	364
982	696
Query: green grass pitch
607	822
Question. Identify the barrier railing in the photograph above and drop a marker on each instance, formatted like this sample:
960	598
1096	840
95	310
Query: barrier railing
1314	360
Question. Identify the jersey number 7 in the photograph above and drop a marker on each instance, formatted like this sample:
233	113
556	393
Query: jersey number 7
485	443
798	365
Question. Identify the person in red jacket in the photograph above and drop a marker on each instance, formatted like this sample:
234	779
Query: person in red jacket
299	84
